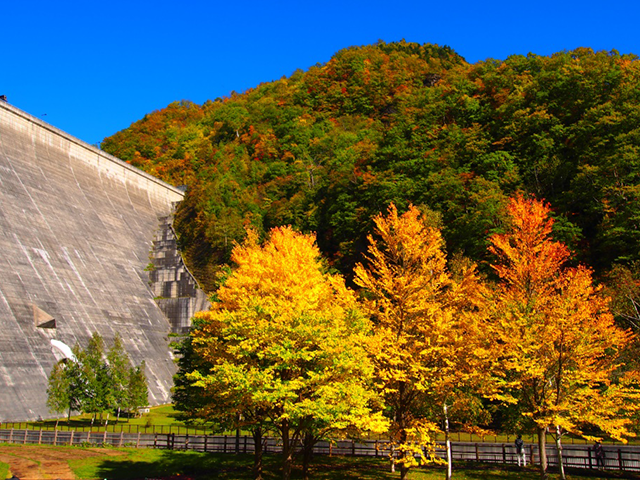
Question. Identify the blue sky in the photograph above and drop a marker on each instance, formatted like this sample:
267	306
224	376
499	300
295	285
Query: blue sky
92	68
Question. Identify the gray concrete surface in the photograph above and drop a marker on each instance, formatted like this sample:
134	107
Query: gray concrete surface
176	291
76	230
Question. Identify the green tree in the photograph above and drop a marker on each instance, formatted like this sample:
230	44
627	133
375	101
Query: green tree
95	382
137	388
119	372
286	341
59	392
96	375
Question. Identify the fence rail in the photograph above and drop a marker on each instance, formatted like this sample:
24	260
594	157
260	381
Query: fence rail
621	458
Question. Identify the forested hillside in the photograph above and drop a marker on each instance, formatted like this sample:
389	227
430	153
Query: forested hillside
327	149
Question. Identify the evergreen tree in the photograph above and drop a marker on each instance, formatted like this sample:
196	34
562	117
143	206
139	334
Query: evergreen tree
138	390
119	369
58	391
97	383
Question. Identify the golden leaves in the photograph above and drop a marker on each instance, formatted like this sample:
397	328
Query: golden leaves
559	341
428	343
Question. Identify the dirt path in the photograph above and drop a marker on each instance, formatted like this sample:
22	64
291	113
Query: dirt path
38	463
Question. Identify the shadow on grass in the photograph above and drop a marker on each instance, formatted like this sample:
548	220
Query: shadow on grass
186	465
171	463
164	464
479	471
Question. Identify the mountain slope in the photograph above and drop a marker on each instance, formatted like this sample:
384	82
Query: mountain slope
326	149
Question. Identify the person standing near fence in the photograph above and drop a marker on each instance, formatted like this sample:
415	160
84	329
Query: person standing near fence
599	451
520	453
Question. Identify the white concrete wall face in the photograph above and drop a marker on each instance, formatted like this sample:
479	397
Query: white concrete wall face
76	227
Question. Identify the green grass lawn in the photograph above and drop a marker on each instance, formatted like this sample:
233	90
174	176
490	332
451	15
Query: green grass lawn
162	419
128	463
157	463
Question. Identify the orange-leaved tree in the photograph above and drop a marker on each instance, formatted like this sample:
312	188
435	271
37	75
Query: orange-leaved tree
284	347
556	335
431	355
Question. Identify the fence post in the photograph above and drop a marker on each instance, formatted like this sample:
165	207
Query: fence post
206	440
55	437
186	441
40	436
71	437
376	448
121	438
620	462
353	448
224	447
477	454
11	435
24	440
590	458
138	441
504	454
244	450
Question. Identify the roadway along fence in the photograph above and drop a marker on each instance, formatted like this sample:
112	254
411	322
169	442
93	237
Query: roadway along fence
617	457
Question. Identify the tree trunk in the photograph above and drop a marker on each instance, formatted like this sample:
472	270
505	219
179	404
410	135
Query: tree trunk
404	470
287	451
257	453
559	448
447	437
542	447
393	459
307	454
402	428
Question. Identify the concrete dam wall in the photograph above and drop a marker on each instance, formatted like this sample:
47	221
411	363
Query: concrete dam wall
76	232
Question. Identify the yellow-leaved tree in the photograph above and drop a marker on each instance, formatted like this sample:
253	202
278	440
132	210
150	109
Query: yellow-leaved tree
430	351
557	337
284	347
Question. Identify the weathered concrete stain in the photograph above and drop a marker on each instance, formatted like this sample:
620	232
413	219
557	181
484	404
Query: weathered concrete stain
76	229
175	289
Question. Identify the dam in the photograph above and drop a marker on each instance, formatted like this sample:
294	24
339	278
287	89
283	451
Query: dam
77	228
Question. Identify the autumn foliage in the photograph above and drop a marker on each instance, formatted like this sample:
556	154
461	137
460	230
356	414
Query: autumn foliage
558	340
283	348
289	349
453	153
327	149
431	356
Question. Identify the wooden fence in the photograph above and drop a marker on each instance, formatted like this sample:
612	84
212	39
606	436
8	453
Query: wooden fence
621	458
